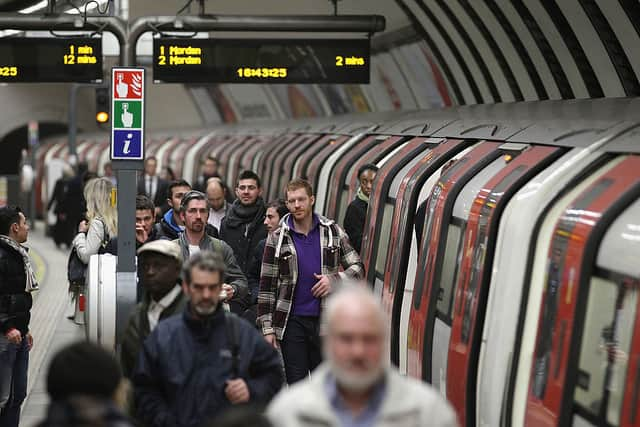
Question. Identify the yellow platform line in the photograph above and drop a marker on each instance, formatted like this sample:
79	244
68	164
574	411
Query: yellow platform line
39	265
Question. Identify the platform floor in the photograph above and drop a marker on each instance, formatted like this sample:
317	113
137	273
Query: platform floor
49	326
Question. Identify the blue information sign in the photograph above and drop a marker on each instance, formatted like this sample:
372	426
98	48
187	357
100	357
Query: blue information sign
127	144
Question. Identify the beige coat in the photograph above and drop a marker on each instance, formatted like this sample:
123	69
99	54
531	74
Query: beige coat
407	403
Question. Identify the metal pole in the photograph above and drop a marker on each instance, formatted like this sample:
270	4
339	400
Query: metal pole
126	268
73	126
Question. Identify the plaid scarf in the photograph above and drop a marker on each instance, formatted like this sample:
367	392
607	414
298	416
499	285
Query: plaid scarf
32	283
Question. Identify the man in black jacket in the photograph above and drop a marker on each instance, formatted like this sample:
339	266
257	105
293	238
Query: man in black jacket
357	210
17	281
196	364
243	226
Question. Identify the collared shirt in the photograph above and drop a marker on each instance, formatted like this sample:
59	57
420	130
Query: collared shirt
215	217
151	186
309	260
367	417
156	308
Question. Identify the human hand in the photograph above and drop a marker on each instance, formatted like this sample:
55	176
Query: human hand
229	290
271	339
237	391
29	341
322	287
83	226
141	234
14	336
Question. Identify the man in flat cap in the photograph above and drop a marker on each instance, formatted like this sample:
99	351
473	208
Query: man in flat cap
160	263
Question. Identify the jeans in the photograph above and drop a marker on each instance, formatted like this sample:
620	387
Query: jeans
14	363
301	349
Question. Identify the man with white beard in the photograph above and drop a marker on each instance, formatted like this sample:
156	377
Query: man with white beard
356	386
196	364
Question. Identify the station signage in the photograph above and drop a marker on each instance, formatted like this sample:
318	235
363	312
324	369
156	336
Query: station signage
45	60
127	114
261	61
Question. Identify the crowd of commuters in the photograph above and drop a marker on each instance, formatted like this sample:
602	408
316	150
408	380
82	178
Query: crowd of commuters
236	298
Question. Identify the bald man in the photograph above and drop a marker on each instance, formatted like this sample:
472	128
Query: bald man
216	194
356	386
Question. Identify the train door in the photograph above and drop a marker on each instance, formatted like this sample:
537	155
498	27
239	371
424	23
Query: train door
606	387
377	143
429	320
241	159
519	164
507	291
233	144
279	175
323	149
176	159
327	169
265	168
378	229
400	265
191	161
560	390
533	290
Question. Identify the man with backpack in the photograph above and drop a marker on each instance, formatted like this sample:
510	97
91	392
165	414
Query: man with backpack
196	364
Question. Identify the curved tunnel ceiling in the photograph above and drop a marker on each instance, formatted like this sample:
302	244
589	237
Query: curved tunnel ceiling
514	50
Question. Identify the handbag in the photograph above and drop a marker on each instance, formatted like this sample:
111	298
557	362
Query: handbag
76	271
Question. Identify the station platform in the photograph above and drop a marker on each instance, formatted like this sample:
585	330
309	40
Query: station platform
49	326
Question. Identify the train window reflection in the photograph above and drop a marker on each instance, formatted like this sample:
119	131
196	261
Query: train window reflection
450	266
604	351
385	238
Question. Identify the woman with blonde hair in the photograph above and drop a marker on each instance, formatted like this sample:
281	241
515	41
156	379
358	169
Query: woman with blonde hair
101	222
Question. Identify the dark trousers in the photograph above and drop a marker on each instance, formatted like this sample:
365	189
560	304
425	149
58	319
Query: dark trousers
14	364
301	349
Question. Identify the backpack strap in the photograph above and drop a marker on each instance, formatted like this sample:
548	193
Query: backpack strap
232	328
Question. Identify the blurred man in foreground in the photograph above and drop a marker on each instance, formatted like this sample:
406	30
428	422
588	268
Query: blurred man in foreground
355	386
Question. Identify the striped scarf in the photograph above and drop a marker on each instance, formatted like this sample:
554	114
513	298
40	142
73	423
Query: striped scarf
32	283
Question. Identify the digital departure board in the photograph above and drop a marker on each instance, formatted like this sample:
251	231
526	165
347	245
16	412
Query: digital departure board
41	60
261	61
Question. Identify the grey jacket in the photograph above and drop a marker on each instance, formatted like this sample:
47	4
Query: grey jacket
233	276
407	402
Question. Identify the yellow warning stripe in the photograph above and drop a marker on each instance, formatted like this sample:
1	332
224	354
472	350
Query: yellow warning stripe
39	266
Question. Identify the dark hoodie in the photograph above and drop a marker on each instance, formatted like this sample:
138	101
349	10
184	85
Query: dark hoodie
243	228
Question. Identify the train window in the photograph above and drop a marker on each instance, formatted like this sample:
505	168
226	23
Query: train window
451	262
385	238
604	351
480	249
344	204
397	180
554	287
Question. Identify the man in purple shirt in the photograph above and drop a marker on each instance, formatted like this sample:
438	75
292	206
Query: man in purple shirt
300	267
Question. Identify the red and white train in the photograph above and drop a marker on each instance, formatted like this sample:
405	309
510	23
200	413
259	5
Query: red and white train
503	240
